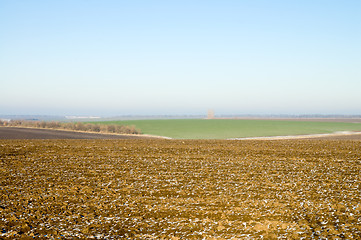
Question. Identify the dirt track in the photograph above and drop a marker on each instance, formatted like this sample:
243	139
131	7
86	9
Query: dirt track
31	133
356	136
328	136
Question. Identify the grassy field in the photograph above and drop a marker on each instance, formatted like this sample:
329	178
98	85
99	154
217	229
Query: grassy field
180	189
232	128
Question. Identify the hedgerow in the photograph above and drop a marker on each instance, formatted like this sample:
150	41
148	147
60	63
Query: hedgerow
74	126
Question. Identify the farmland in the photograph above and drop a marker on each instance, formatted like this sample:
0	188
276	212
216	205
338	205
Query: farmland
180	189
39	133
234	128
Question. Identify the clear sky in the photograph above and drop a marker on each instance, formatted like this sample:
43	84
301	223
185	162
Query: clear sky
115	57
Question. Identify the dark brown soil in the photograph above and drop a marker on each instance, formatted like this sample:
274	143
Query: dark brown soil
180	189
32	133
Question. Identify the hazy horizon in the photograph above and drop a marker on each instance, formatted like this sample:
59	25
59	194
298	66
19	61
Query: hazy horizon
113	58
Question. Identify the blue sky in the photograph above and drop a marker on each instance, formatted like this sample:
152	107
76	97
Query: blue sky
88	57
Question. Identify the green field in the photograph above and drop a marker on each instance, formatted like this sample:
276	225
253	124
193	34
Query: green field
233	128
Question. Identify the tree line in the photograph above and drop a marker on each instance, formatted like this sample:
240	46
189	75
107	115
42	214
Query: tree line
74	126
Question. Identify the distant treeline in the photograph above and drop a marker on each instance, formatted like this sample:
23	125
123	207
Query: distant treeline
74	126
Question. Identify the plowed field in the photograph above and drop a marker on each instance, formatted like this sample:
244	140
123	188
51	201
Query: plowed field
36	133
174	189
